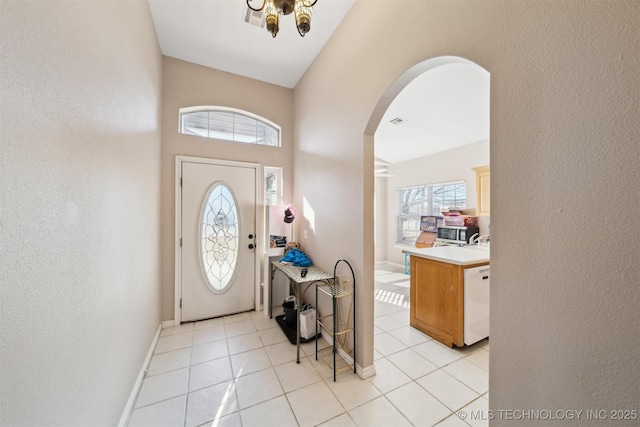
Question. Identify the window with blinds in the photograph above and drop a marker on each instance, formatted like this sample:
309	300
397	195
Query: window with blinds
414	202
229	124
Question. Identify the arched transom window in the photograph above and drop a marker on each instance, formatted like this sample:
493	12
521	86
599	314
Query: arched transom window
230	124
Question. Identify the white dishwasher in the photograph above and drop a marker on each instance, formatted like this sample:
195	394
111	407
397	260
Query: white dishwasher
476	304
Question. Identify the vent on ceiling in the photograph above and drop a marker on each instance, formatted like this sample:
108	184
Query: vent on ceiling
254	18
397	121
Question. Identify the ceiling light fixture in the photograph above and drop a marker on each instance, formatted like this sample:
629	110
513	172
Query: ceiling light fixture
274	8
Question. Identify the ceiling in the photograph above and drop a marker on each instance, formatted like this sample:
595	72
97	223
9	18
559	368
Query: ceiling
444	108
441	109
214	33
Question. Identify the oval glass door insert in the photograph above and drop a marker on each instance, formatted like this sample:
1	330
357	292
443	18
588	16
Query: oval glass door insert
220	237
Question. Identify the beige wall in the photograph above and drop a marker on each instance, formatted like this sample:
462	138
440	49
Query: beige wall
446	166
381	218
79	208
565	82
188	85
80	168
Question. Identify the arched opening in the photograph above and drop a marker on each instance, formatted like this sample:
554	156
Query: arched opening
438	106
435	118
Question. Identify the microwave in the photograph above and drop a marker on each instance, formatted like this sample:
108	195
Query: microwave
457	235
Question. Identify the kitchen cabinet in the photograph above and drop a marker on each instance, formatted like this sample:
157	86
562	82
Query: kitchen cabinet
437	299
483	190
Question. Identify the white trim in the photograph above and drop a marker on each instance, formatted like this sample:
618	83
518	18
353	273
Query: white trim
395	264
258	232
177	283
345	356
128	409
259	178
169	324
367	372
402	246
280	193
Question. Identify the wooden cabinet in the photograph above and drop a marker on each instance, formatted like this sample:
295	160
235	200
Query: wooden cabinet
437	300
483	190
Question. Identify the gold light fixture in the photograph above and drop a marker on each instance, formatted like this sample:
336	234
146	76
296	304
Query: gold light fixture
274	8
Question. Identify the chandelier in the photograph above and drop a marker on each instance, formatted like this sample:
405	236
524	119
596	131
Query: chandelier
273	9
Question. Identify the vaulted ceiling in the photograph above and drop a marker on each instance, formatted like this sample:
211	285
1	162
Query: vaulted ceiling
444	108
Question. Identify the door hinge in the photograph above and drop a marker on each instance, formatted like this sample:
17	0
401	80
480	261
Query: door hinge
180	302
181	242
180	181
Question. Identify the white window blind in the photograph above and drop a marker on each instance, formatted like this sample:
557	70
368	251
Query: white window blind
229	124
414	202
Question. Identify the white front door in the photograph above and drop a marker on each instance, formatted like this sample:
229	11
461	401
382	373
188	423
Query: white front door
218	228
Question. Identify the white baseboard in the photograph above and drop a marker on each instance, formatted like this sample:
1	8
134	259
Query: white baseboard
128	409
169	324
395	264
367	372
345	356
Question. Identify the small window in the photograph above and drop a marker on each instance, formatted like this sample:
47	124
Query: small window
272	186
229	124
414	202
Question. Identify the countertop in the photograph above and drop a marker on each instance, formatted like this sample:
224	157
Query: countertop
465	255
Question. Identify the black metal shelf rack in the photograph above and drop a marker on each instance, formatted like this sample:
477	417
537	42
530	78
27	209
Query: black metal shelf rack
333	325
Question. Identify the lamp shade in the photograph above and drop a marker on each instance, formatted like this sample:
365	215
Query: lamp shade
274	8
289	214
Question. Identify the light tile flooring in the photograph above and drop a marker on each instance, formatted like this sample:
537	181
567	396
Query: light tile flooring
240	371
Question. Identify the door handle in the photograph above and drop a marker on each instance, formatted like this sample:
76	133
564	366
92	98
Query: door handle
251	246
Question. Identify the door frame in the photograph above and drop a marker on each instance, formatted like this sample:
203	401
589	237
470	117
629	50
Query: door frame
178	221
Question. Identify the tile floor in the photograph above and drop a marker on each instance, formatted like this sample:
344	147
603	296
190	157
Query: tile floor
240	371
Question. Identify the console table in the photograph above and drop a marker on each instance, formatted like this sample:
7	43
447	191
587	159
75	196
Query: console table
296	281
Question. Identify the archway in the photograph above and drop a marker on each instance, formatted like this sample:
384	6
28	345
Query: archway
390	95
